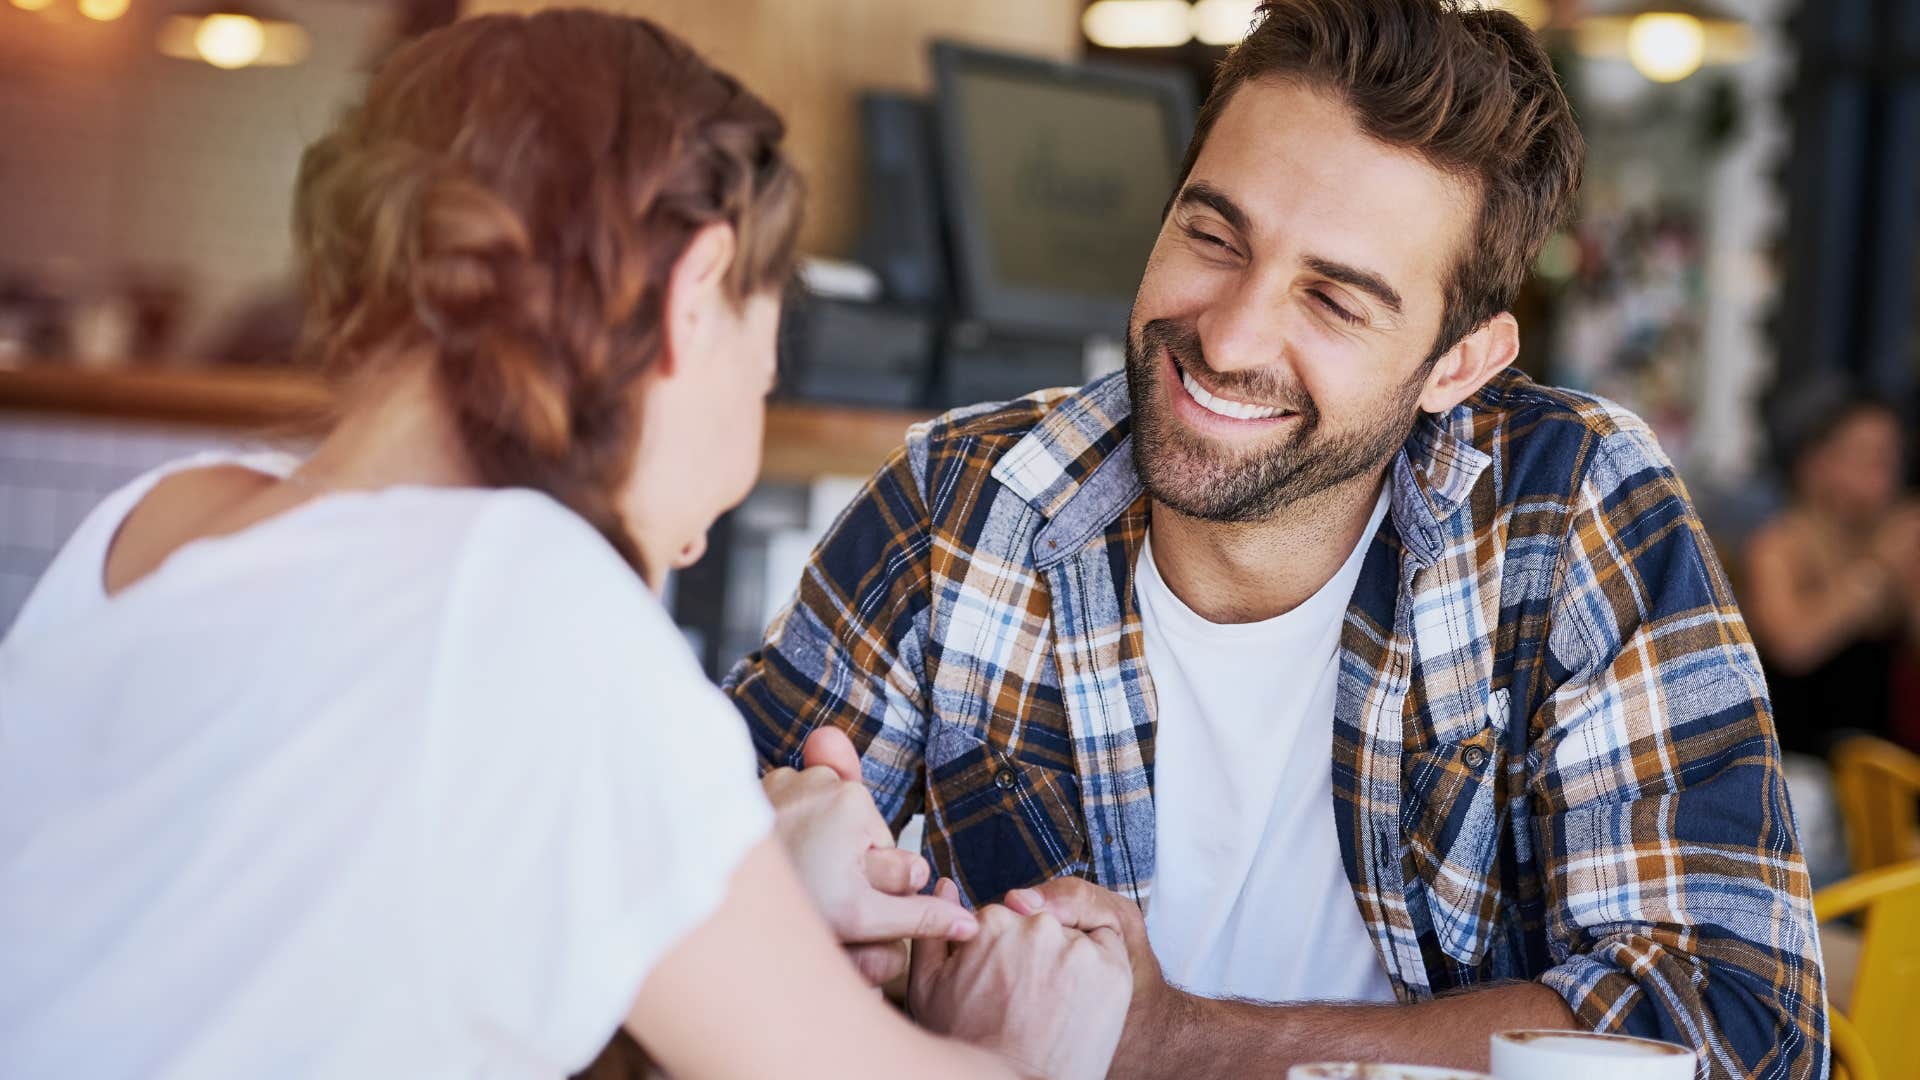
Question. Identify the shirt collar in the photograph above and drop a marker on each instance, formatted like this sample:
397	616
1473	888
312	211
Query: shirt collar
1432	477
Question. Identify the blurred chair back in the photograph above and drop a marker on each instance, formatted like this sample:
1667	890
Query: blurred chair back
1851	1058
1878	787
1888	981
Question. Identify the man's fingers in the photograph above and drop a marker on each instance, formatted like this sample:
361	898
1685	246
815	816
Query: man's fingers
889	918
929	955
879	964
1025	901
1076	903
895	871
829	746
1109	941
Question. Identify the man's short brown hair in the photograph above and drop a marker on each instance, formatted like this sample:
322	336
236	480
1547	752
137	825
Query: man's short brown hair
1471	91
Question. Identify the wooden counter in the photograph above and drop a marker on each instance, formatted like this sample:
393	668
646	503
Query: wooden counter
803	440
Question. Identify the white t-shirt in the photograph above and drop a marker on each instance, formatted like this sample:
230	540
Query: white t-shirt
1249	896
420	782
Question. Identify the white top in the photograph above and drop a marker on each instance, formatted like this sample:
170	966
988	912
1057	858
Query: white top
420	782
1249	898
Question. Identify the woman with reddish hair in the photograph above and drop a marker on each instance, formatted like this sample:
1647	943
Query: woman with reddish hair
388	761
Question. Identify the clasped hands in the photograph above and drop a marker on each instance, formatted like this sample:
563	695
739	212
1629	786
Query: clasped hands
1044	978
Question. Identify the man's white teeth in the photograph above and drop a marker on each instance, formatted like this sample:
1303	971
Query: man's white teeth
1238	410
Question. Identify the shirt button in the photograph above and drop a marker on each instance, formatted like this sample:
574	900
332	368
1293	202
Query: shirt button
1474	757
1003	779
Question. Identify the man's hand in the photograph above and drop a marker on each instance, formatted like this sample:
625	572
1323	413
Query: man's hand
1173	1033
1082	905
1049	999
864	886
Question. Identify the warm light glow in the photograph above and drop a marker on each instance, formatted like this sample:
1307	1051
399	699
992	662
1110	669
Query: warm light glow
104	10
1138	24
1666	46
33	5
1535	13
1222	22
229	41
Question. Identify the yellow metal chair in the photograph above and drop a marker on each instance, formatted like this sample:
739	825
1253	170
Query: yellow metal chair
1851	1061
1886	988
1878	787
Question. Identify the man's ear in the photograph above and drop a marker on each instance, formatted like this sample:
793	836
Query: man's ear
1467	366
696	286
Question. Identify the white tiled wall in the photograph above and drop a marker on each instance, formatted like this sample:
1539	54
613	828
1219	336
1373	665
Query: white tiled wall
53	471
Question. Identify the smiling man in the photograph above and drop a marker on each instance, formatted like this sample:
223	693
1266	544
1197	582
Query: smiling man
1381	698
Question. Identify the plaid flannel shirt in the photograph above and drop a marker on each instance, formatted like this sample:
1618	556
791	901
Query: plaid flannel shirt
1553	760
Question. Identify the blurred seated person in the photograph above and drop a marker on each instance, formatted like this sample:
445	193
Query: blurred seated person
1833	593
389	762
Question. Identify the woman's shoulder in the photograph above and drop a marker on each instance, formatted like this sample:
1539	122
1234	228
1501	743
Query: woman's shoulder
544	620
533	575
540	547
74	583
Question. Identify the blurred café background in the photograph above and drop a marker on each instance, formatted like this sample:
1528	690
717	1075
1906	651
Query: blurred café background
987	177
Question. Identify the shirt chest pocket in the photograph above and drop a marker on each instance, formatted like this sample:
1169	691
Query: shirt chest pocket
1451	810
997	819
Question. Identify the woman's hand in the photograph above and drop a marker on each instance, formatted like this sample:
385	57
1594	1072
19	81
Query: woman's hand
866	888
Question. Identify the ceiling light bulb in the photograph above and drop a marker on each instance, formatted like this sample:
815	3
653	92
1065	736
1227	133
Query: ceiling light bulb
1223	22
1138	24
229	41
1666	46
104	10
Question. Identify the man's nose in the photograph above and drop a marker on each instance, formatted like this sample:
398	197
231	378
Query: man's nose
1247	329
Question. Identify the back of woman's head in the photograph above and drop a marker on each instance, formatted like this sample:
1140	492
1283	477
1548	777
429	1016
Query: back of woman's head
511	200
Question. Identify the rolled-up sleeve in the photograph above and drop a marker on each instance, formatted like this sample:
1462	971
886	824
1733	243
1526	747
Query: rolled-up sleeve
1679	906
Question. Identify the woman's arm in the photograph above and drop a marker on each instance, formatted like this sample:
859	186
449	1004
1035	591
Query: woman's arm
1799	630
761	989
1898	546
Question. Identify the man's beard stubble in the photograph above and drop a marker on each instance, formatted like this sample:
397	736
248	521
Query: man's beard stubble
1185	472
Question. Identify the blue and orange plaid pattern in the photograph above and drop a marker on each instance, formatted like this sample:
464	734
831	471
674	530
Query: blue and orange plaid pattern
1553	759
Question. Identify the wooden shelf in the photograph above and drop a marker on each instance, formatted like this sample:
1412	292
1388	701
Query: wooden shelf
237	398
803	441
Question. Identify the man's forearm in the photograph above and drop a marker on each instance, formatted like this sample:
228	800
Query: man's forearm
1190	1036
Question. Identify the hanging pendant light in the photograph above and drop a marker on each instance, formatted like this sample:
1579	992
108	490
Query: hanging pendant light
232	34
1137	24
103	10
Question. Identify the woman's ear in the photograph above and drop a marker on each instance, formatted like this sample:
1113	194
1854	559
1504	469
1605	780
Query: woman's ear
1467	366
696	288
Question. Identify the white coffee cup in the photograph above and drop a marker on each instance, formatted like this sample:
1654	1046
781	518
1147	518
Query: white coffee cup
1585	1055
1354	1070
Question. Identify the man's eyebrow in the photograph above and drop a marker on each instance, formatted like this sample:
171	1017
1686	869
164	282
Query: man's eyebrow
1365	280
1205	194
1201	193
